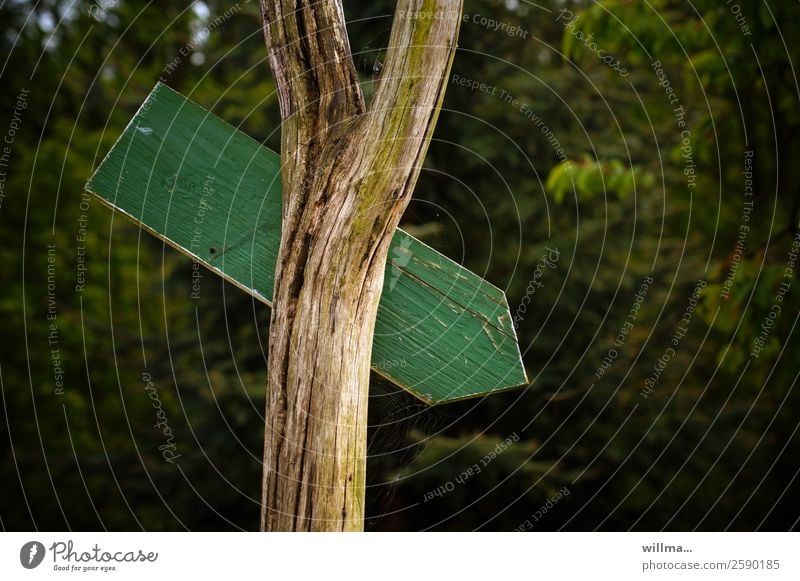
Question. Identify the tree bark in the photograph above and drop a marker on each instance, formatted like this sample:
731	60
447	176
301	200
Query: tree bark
347	176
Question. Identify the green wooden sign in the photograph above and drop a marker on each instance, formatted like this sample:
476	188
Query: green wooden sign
207	189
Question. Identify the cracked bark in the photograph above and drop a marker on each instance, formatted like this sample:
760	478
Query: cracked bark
348	172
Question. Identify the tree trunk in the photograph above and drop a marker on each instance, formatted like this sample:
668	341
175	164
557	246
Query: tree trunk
347	176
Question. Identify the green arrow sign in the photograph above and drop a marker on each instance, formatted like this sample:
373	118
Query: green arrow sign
207	189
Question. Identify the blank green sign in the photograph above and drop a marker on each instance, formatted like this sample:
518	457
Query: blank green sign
443	333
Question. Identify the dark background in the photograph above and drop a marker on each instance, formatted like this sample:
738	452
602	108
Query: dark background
713	447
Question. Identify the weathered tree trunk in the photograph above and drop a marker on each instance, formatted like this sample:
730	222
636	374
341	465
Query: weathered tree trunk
348	174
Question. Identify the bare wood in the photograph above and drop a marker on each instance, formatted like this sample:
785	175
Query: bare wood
347	176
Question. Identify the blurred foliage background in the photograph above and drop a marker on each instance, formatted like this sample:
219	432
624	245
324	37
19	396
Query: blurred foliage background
580	158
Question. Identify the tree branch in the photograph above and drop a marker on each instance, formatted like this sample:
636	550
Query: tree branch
309	53
414	77
400	121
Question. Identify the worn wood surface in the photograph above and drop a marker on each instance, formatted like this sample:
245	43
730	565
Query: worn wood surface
442	333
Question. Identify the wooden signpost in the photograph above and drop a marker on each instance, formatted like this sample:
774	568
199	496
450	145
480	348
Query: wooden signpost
213	193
